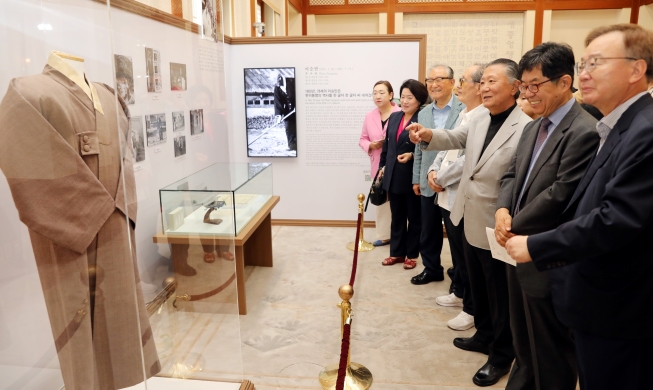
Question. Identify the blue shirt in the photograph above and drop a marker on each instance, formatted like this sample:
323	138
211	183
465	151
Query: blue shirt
440	115
555	118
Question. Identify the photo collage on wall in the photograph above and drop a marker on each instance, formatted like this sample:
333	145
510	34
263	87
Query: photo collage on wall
270	112
151	129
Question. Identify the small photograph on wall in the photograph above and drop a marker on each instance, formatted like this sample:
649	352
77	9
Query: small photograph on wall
271	112
138	141
209	21
153	70
155	127
177	77
124	78
180	146
196	122
178	121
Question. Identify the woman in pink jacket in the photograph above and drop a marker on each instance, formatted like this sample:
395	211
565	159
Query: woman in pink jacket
371	142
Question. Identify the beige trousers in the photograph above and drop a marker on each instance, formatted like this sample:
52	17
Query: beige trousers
383	219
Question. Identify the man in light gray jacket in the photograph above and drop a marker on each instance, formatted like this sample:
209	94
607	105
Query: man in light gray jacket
490	141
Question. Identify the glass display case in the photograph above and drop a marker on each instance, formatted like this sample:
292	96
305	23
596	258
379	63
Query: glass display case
218	200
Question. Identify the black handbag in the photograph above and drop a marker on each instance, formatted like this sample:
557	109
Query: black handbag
377	195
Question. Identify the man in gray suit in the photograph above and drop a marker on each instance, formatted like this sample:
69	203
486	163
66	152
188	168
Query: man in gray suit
442	113
551	157
490	141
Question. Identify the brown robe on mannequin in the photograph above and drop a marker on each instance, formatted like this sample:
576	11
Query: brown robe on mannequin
61	154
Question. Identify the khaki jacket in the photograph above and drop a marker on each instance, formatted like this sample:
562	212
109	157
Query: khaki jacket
62	159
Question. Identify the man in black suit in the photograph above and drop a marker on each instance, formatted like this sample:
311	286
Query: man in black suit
600	260
551	157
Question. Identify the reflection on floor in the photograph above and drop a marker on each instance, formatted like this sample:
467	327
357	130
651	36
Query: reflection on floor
292	328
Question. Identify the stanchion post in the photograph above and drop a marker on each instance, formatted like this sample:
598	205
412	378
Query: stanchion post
363	246
358	376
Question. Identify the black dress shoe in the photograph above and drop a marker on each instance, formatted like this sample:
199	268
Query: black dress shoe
489	375
469	344
450	272
426	277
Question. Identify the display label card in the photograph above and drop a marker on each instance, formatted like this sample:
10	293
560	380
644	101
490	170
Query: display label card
157	150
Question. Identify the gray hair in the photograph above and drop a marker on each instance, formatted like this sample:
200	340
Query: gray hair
478	73
511	68
447	67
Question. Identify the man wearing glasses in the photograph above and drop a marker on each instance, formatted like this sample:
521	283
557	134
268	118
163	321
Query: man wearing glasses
442	113
550	160
600	259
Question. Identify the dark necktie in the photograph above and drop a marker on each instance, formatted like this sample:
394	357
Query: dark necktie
541	137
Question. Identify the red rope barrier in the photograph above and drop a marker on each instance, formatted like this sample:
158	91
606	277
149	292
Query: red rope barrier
354	266
344	356
344	348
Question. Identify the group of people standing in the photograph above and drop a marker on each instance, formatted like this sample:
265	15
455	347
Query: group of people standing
566	195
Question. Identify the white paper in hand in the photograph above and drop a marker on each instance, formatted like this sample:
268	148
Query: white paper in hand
498	252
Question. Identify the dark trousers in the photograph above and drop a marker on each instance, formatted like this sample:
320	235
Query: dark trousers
460	276
430	243
545	357
291	132
404	240
487	279
607	363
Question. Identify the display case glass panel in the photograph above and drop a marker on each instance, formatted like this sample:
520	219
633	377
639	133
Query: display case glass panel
102	105
218	200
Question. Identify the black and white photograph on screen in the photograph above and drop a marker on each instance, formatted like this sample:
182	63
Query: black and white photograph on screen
271	113
138	141
180	146
196	122
155	127
209	21
178	121
153	70
124	78
177	77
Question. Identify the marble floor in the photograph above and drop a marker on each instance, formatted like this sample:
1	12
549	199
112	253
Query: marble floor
292	329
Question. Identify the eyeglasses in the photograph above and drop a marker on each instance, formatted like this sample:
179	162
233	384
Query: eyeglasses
437	80
592	63
534	88
462	81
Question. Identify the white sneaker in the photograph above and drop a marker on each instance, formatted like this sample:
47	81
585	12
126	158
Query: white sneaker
462	321
449	300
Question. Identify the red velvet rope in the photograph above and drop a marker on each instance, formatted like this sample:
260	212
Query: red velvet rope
355	264
344	348
344	356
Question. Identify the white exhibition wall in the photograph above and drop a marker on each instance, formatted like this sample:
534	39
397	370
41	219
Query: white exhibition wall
29	30
334	82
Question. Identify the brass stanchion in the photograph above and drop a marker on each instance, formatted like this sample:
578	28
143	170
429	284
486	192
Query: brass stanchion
358	376
363	246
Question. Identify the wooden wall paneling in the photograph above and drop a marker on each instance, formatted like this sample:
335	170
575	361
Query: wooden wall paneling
585	4
391	16
141	9
297	4
466	7
345	9
252	11
634	12
304	28
539	23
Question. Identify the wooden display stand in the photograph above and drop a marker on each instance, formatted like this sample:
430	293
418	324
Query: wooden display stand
253	246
